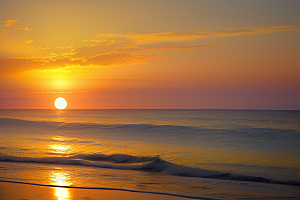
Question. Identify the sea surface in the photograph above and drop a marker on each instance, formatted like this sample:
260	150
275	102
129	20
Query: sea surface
213	154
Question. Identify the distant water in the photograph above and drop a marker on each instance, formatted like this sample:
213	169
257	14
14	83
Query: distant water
219	154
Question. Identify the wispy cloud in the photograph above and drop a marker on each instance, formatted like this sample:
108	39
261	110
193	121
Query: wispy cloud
116	49
120	58
3	32
66	63
11	65
70	63
28	41
103	42
61	139
43	48
47	92
25	29
11	22
153	48
56	92
65	47
142	38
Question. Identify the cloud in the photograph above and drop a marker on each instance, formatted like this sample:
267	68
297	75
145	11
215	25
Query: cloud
146	38
65	47
44	48
100	60
61	139
25	29
55	92
104	42
3	32
153	48
9	23
120	58
11	65
66	63
116	49
46	92
27	41
247	30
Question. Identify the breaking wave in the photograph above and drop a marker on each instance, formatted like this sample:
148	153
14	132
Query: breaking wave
150	164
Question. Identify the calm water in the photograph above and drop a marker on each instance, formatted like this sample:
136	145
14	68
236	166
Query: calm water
221	154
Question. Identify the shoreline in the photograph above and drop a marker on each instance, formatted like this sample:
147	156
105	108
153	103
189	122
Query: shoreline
10	190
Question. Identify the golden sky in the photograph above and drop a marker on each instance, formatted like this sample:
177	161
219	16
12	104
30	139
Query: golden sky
150	54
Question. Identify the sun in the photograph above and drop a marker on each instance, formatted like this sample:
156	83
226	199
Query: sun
60	103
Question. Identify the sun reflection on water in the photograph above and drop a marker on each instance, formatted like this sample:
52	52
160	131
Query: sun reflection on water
60	147
62	193
61	178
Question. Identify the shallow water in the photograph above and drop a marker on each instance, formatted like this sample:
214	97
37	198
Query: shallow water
213	153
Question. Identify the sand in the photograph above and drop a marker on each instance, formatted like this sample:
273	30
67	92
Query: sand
17	191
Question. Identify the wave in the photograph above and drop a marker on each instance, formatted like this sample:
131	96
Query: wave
150	164
86	125
127	129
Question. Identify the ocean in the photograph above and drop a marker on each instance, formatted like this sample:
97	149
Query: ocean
212	154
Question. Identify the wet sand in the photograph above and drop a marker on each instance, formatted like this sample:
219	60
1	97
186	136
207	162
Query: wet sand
17	191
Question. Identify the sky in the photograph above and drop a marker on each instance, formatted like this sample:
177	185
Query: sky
138	54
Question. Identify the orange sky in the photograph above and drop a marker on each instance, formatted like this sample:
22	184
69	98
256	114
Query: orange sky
150	54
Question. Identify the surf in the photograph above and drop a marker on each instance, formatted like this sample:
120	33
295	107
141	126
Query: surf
147	163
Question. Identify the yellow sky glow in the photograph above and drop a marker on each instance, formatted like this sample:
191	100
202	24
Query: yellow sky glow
217	61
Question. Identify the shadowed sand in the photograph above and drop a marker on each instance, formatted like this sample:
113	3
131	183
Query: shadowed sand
18	191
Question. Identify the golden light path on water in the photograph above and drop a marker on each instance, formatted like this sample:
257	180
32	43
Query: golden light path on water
60	147
60	177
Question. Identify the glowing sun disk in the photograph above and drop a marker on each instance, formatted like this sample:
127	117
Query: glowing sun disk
60	103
